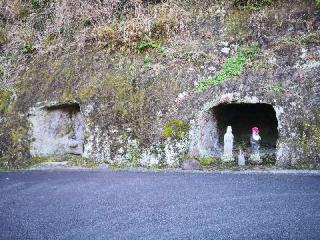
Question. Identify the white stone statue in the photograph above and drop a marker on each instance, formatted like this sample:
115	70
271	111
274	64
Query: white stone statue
241	159
255	145
228	145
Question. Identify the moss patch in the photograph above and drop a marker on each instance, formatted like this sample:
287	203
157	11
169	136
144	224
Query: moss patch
309	138
5	99
79	161
14	142
236	24
304	166
255	4
35	161
311	38
3	36
86	93
209	161
175	129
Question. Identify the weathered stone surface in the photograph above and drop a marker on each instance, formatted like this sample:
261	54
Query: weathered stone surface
121	90
191	165
57	130
225	50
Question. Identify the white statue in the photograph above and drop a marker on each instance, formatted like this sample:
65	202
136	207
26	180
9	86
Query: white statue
241	159
228	145
255	145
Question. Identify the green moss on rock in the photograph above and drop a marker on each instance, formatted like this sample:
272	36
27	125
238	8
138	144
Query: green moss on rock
312	38
209	161
85	93
175	129
310	136
236	23
5	99
14	142
3	36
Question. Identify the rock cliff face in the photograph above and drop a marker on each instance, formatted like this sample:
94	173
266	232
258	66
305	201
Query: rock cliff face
57	130
156	82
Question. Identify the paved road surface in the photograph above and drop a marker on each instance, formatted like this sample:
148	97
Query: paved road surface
127	205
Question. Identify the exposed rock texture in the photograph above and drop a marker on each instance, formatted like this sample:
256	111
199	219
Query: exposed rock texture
57	130
191	165
133	68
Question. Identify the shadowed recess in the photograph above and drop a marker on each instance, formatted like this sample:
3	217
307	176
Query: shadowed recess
243	117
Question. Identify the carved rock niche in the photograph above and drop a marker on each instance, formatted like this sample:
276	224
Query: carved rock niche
57	130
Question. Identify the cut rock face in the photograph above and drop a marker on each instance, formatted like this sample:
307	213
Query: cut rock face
57	130
191	165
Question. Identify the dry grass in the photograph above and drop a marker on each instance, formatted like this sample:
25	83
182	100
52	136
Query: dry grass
157	22
116	24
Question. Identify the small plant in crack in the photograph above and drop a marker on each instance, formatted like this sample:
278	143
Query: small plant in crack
275	88
146	63
28	48
147	44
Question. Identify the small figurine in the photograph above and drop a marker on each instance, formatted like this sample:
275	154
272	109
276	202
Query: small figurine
241	159
255	145
228	145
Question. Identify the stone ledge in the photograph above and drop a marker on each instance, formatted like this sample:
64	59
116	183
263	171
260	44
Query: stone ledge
64	167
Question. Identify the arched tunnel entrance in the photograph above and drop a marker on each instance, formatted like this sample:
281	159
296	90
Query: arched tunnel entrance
242	117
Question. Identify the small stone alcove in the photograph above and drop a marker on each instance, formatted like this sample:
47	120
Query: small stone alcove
57	130
242	117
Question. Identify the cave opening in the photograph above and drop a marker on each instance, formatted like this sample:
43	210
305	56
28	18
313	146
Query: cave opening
242	117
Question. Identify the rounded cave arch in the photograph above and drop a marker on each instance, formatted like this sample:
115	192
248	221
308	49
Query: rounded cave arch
241	116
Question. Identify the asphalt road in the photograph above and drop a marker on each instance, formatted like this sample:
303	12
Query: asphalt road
127	205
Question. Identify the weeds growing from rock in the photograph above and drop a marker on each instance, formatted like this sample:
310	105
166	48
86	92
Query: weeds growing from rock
145	44
232	67
28	48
